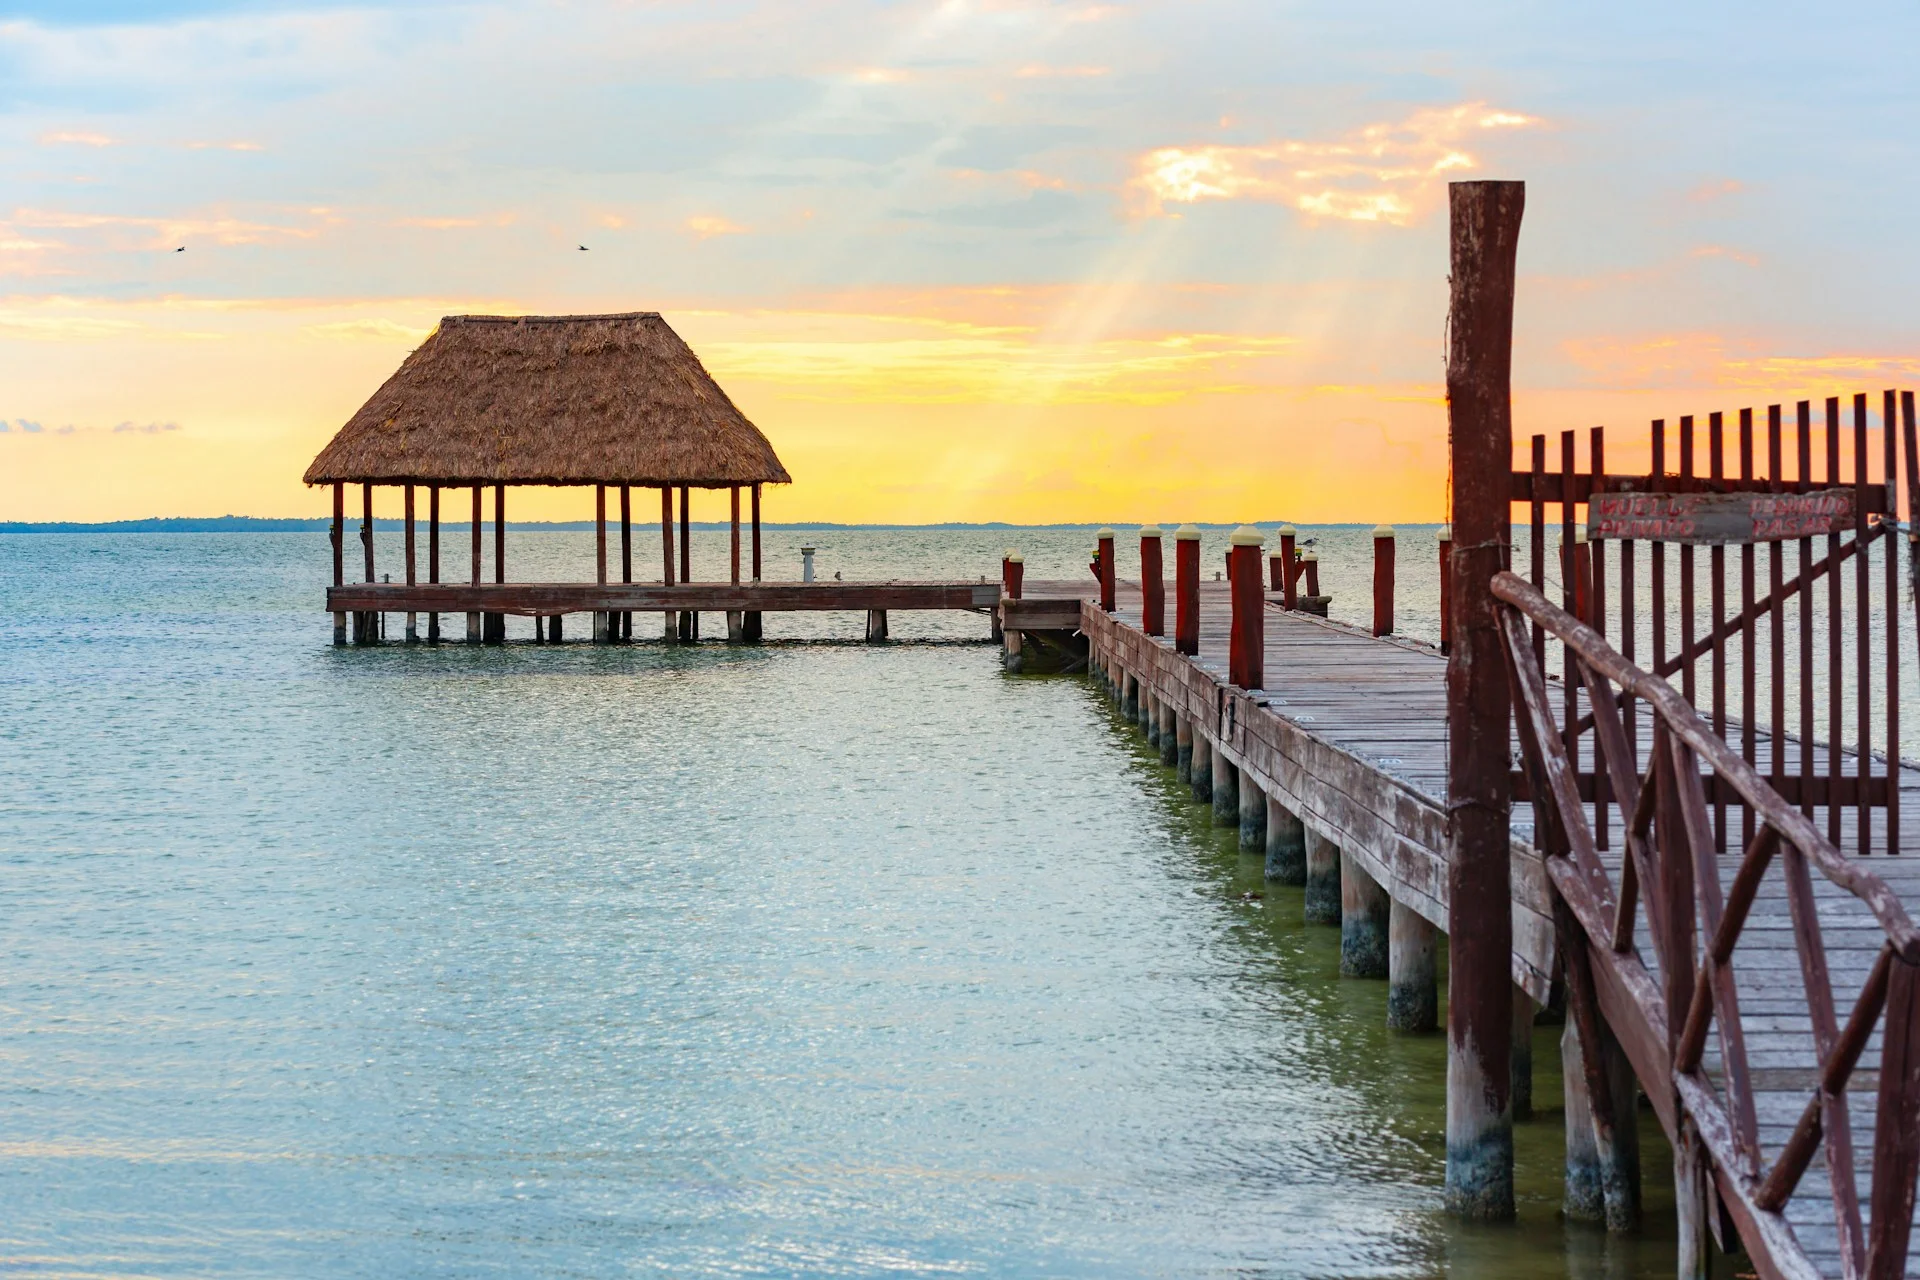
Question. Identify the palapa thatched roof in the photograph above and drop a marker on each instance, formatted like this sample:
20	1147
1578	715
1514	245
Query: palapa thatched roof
550	400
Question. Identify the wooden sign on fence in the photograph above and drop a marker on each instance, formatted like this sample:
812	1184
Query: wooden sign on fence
1719	517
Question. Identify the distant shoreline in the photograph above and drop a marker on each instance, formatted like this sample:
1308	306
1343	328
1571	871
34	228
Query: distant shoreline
320	524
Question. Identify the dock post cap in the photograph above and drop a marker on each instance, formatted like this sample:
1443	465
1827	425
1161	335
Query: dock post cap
1150	531
1247	536
1579	534
1014	557
1007	553
1187	533
1104	533
1383	531
1446	533
1310	556
1286	531
807	551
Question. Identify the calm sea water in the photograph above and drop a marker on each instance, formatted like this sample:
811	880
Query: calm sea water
811	958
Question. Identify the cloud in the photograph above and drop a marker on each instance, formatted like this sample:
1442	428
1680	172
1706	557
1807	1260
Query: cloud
1734	362
1388	172
1710	191
706	226
377	330
76	138
224	146
148	428
1035	71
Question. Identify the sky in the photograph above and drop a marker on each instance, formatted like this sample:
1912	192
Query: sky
959	259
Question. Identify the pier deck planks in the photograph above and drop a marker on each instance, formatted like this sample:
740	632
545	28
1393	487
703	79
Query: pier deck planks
1351	735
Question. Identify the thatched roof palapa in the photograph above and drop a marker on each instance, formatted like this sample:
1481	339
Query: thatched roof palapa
551	400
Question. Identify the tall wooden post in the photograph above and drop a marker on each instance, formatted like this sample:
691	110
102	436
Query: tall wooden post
1108	579
1153	583
1485	239
1016	573
735	562
412	635
666	554
339	556
433	555
600	534
366	526
689	618
1446	588
602	618
754	622
499	533
1288	564
475	620
1186	590
1247	647
1383	580
626	556
1309	572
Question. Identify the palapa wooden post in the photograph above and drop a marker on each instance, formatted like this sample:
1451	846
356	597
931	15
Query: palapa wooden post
1446	588
364	627
689	619
626	556
1247	646
475	627
1383	580
497	622
1108	579
412	636
666	552
339	556
602	619
736	618
1485	231
1153	584
433	555
754	623
1186	591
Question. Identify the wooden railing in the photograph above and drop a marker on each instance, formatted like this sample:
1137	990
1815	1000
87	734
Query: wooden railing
1669	862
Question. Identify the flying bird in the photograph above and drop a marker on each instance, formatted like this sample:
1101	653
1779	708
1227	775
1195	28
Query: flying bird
181	249
583	248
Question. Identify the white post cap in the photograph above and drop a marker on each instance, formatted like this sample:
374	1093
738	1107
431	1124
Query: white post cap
1446	533
1014	557
1187	533
1311	556
1104	534
1579	534
1247	536
1150	530
1286	531
1383	531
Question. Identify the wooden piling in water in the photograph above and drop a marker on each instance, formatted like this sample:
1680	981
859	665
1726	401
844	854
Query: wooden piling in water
1109	577
1289	565
1485	229
1153	586
1247	647
1520	1069
1286	845
1413	990
1226	791
475	625
666	551
1364	909
1383	580
1323	880
755	627
876	626
1169	736
1186	590
1183	748
1200	769
413	636
1253	818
